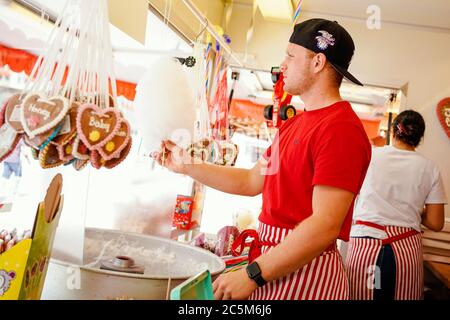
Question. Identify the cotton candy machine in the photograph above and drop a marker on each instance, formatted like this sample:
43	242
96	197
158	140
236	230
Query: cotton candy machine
160	258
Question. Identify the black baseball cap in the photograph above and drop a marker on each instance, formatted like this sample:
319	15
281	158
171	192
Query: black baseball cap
331	39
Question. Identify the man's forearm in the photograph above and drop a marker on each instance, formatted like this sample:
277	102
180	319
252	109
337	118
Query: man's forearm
225	179
307	241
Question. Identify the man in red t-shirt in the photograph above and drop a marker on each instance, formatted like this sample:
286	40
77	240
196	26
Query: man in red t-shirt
309	178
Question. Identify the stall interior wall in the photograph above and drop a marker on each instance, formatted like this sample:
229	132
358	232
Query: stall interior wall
184	21
392	56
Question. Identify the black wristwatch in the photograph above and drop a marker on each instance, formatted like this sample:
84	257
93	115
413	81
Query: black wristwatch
254	273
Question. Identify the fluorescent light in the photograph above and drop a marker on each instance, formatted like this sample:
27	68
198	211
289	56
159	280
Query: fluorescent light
276	10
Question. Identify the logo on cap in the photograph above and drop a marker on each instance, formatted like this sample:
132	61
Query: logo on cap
325	40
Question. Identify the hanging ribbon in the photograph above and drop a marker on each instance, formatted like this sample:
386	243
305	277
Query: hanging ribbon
218	63
228	13
251	30
208	57
297	13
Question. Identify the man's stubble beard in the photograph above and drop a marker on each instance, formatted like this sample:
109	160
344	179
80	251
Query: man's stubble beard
301	88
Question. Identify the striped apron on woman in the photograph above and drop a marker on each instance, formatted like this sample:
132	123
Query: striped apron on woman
363	254
322	279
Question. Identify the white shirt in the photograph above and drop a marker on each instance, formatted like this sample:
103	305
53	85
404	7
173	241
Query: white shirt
398	184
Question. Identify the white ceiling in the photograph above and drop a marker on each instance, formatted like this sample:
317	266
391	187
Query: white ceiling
30	33
419	13
425	13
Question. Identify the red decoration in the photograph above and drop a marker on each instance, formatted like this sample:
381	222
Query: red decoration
182	218
19	60
443	113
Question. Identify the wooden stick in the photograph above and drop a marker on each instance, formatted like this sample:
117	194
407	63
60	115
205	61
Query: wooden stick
168	288
163	159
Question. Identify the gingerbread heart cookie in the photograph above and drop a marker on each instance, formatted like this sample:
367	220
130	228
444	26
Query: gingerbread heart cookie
69	126
97	126
49	157
9	139
202	150
35	154
114	147
123	155
12	112
201	154
39	142
80	164
2	113
80	151
96	160
66	151
227	153
39	115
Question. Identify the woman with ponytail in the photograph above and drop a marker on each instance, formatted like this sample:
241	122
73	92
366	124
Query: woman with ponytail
401	191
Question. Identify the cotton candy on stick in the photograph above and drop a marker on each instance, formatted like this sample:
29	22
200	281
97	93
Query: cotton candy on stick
165	105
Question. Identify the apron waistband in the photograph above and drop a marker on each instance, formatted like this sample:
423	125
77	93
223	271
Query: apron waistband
391	239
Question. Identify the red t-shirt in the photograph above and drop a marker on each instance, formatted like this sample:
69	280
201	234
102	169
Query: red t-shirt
327	146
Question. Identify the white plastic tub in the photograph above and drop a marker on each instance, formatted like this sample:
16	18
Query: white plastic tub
162	258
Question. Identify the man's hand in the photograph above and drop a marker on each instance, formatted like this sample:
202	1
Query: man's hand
173	157
234	286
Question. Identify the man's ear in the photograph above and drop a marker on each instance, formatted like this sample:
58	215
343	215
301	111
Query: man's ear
320	61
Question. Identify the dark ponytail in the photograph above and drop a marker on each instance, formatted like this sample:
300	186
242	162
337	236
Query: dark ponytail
409	127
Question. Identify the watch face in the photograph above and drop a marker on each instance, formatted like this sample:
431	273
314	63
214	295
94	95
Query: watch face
253	270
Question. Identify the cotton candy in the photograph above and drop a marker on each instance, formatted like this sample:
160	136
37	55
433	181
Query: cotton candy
165	105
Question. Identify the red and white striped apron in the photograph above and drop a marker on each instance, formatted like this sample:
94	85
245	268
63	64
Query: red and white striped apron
362	257
323	278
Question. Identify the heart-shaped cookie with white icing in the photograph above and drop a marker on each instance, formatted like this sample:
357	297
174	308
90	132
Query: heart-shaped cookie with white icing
227	153
114	147
39	114
69	126
97	126
9	139
12	113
